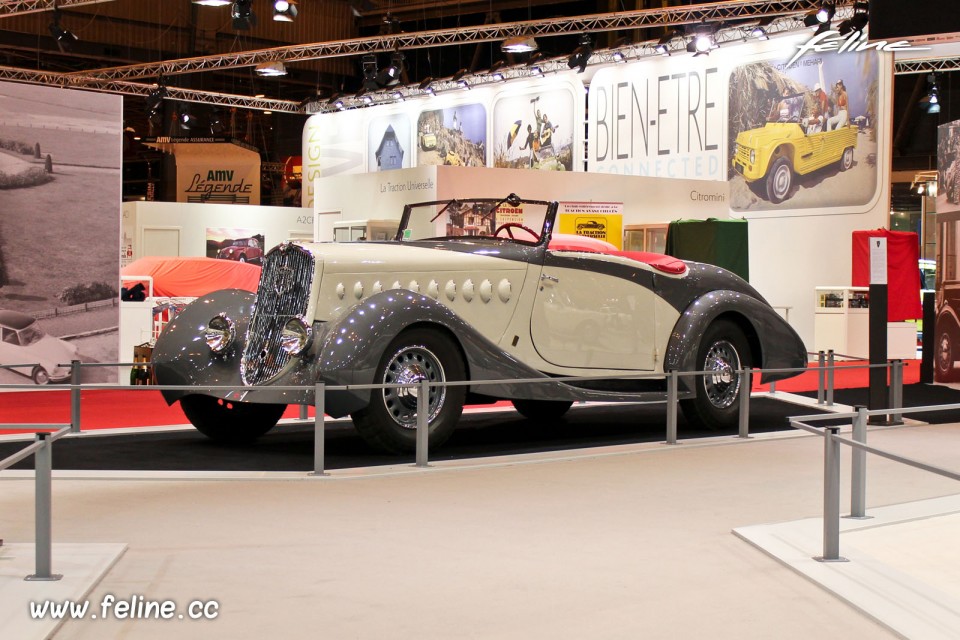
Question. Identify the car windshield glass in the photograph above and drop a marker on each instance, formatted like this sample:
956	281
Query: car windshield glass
30	334
520	221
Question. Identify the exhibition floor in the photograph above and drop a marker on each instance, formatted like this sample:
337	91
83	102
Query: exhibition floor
621	541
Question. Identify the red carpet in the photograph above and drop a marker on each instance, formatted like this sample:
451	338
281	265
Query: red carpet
113	409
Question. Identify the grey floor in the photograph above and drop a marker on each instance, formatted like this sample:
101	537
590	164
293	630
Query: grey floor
706	539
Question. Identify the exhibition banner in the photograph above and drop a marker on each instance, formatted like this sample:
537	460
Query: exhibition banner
222	173
600	220
535	124
801	135
60	176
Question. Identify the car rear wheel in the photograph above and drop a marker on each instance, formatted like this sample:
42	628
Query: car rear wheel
944	355
846	161
40	375
723	351
542	409
389	422
230	422
779	180
243	258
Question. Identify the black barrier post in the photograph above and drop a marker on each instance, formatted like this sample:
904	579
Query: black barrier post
879	393
929	336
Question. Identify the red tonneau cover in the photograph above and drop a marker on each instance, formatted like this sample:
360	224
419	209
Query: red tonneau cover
660	262
192	277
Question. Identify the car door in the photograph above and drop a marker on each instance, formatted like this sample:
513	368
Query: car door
599	317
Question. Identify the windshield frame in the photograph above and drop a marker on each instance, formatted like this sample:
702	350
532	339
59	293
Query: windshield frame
549	219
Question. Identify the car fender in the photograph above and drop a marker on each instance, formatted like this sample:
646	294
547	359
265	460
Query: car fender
780	346
354	343
181	355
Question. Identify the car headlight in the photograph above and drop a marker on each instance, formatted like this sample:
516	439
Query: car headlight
753	156
296	336
220	334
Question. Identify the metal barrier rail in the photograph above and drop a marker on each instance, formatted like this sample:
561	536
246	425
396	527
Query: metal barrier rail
44	440
42	448
831	467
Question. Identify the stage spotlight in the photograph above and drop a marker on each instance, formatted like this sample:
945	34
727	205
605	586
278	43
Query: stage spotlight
243	16
390	75
271	69
931	102
426	85
519	44
284	10
581	55
857	22
216	123
65	39
663	43
369	65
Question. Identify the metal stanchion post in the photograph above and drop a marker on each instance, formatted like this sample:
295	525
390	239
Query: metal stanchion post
304	414
830	370
746	384
773	387
672	407
831	497
858	467
820	381
43	501
319	436
423	428
75	396
896	391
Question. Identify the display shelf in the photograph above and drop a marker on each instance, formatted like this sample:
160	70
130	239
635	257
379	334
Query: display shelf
842	323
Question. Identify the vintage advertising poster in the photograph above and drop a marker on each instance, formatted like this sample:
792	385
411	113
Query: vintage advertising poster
388	142
948	167
535	130
600	220
240	245
455	135
803	135
60	180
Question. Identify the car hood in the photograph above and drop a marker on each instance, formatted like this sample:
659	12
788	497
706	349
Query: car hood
389	257
53	350
772	131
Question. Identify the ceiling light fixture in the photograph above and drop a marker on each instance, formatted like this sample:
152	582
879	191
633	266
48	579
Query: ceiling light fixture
212	3
272	69
284	10
858	21
931	102
64	38
821	17
663	44
581	55
369	65
390	75
243	16
522	43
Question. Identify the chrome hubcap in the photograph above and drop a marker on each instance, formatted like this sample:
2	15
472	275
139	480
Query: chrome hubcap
412	365
781	181
945	356
723	384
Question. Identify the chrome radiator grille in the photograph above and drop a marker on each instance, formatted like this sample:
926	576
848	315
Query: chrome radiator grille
283	293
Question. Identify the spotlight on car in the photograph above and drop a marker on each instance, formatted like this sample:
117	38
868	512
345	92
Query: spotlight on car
296	336
220	333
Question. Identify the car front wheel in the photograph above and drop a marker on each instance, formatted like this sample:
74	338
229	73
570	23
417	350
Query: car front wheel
722	351
230	422
944	355
389	422
40	375
846	161
779	180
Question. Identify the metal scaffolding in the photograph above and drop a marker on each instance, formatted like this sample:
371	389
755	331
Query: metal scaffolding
17	7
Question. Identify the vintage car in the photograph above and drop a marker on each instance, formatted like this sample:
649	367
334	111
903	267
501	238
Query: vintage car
22	341
496	308
778	150
242	250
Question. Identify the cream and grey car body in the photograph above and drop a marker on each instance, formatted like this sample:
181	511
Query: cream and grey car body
539	308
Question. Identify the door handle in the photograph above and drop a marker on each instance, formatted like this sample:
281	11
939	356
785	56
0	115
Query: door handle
545	278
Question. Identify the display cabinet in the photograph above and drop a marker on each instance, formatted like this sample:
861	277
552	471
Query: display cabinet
842	323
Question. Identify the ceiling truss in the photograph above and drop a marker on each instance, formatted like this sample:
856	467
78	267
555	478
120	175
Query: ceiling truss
787	16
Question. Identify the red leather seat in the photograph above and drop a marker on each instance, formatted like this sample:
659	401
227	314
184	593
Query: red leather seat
571	242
